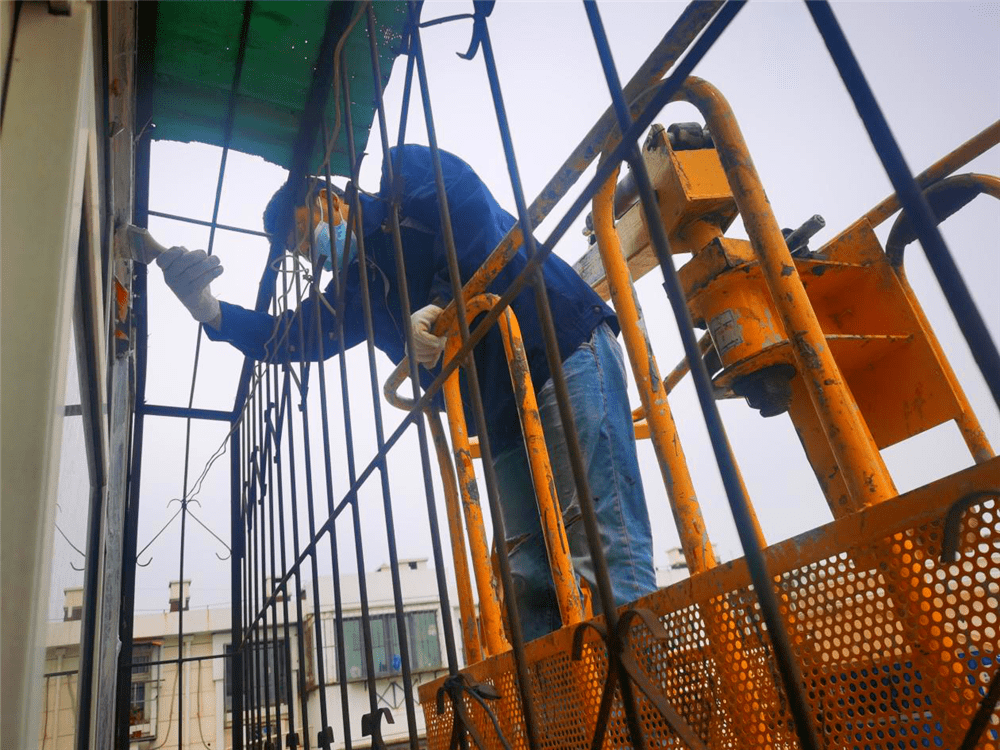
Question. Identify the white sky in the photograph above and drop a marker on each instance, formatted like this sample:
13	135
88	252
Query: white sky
934	68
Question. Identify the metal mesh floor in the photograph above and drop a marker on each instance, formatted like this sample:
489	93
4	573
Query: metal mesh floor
896	647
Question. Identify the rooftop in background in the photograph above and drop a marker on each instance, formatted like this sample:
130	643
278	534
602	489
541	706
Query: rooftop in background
195	57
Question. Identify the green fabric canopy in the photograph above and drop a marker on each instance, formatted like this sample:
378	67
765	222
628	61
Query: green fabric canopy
195	59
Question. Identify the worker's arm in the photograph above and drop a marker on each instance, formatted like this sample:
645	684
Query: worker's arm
278	339
256	334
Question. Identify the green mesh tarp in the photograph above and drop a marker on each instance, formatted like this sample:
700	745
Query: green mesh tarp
195	59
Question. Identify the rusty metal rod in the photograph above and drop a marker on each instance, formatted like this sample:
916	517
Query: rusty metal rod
479	546
549	512
971	149
466	605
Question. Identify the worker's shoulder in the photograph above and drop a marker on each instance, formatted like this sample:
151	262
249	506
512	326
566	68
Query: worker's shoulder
415	157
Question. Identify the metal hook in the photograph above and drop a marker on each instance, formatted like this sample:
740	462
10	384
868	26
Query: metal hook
78	570
144	564
953	522
229	550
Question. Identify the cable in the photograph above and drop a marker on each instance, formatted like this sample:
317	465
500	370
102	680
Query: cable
170	712
45	726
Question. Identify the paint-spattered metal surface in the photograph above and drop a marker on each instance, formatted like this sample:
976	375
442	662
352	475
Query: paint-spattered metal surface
195	56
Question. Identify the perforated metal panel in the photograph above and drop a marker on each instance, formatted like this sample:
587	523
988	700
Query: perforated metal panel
896	647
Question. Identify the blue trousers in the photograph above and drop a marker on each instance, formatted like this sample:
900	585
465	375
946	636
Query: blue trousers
595	375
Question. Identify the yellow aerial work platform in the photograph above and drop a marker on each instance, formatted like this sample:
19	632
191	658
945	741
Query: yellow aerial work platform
891	609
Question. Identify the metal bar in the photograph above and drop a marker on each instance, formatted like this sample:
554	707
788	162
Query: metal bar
763	582
981	719
283	413
327	463
273	467
146	15
688	518
260	553
272	440
339	283
156	663
249	649
157	410
203	223
87	336
489	602
466	604
180	625
404	304
236	543
568	595
322	736
227	136
970	321
355	219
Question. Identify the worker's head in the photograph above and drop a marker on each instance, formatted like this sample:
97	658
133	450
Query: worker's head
309	214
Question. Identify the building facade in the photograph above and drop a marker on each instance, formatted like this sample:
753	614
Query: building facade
203	690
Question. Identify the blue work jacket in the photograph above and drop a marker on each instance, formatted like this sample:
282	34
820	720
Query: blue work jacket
479	224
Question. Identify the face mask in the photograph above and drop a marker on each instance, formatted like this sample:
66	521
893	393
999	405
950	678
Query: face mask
321	239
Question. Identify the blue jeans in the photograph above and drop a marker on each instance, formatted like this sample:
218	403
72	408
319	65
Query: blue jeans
595	376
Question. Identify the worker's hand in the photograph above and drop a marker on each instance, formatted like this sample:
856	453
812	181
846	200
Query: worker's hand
427	347
189	274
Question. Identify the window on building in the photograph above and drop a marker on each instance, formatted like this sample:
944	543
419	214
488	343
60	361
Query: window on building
145	684
421	635
270	663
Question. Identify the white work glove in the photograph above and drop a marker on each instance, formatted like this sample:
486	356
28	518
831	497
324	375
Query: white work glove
189	274
427	347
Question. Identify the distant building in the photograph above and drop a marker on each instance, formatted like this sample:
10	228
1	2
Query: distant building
153	716
675	570
206	684
424	639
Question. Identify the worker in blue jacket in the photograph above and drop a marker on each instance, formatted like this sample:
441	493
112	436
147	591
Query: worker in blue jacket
586	328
